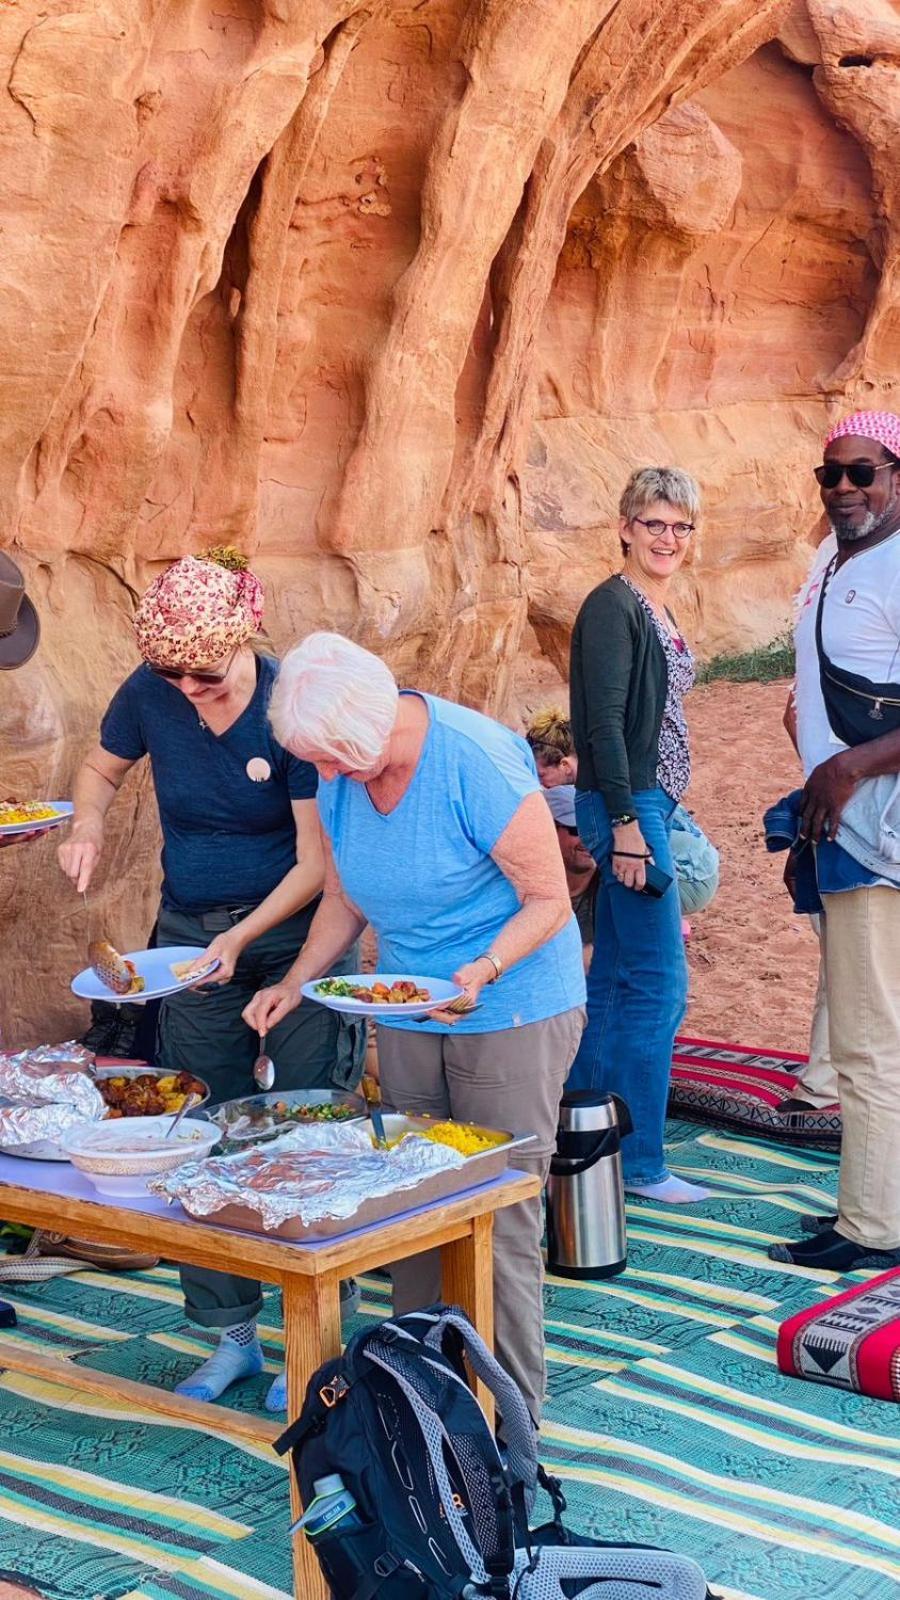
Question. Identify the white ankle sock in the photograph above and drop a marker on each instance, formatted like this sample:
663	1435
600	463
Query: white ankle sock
239	1356
672	1191
276	1399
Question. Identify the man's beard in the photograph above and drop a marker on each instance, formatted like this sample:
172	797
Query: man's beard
851	533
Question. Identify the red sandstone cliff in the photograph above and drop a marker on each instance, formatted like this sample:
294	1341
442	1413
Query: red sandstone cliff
394	295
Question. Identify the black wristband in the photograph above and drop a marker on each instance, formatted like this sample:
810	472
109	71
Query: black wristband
623	820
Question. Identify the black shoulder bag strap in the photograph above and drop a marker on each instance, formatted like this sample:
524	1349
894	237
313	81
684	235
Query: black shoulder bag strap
857	709
827	576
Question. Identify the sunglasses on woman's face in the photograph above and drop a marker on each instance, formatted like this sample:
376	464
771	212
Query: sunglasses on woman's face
175	674
567	828
860	473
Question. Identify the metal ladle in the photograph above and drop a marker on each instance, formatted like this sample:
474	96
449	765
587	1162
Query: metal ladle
263	1067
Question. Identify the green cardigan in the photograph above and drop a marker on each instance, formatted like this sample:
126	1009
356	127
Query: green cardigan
617	682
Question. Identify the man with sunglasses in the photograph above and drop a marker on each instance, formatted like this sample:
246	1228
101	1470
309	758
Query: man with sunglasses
847	639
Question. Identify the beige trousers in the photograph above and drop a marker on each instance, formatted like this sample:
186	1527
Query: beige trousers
514	1080
862	970
818	1077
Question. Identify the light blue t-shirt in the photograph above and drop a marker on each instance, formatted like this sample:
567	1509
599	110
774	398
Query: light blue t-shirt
425	879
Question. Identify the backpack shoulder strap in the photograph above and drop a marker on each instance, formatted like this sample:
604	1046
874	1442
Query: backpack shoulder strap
519	1434
392	1358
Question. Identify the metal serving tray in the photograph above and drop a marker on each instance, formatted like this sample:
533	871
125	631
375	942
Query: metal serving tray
103	1074
475	1170
226	1115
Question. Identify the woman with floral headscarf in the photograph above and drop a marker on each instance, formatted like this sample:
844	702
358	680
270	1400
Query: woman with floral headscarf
242	867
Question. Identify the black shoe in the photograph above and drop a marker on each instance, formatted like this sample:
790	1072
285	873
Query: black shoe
812	1222
796	1105
122	1044
829	1251
102	1031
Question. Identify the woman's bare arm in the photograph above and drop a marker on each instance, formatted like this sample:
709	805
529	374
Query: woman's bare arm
298	886
336	925
528	855
97	783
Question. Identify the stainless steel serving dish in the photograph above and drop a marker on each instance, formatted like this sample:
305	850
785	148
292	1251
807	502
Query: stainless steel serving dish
103	1074
254	1117
475	1171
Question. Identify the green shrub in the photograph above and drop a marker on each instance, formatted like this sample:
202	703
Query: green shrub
763	665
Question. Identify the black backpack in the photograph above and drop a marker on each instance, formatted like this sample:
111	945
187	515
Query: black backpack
440	1514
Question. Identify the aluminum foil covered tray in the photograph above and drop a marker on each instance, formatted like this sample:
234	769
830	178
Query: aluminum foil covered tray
314	1183
45	1094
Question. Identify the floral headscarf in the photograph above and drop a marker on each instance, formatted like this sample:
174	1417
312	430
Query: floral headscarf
882	426
195	613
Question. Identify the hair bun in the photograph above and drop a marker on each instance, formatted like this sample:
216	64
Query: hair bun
551	727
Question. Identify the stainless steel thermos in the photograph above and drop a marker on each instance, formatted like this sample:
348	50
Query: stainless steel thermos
585	1196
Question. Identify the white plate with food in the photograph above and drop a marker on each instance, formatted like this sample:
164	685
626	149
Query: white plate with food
33	816
382	994
141	974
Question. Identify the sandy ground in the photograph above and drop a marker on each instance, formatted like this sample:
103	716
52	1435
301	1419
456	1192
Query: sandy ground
753	963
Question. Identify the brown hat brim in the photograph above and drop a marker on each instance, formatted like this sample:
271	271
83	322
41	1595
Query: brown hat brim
19	646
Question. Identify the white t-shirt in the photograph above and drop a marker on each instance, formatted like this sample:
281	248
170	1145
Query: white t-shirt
860	632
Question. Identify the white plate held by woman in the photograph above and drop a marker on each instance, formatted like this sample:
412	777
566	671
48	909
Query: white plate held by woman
440	992
155	967
62	811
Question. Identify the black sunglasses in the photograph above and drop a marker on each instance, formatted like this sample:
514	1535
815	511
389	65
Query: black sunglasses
175	674
567	828
860	473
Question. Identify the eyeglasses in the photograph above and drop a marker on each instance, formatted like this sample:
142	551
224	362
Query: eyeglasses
655	527
860	473
175	674
566	827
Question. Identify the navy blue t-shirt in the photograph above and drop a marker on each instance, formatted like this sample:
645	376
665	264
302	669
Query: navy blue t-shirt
227	840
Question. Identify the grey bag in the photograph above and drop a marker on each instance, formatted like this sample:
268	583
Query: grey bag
620	1572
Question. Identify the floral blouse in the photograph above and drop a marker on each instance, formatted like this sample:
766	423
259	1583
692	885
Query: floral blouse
673	771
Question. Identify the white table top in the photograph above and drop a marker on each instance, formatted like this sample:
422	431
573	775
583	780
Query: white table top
61	1178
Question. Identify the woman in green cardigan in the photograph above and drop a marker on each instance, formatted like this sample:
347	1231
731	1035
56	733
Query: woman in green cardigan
630	670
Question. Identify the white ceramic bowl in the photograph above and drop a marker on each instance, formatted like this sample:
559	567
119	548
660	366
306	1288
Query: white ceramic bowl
119	1156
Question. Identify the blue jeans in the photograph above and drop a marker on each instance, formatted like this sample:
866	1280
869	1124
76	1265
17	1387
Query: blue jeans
637	984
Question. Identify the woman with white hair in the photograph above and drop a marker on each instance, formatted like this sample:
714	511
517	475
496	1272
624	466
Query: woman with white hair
436	833
630	671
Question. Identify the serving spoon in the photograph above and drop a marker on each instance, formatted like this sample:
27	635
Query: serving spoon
371	1093
190	1101
263	1067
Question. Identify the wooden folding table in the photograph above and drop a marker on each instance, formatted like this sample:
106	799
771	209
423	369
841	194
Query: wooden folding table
56	1196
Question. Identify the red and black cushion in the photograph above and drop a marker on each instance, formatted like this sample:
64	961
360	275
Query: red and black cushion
851	1341
745	1090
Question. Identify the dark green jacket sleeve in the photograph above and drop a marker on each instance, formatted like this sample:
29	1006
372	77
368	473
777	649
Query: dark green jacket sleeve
607	657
